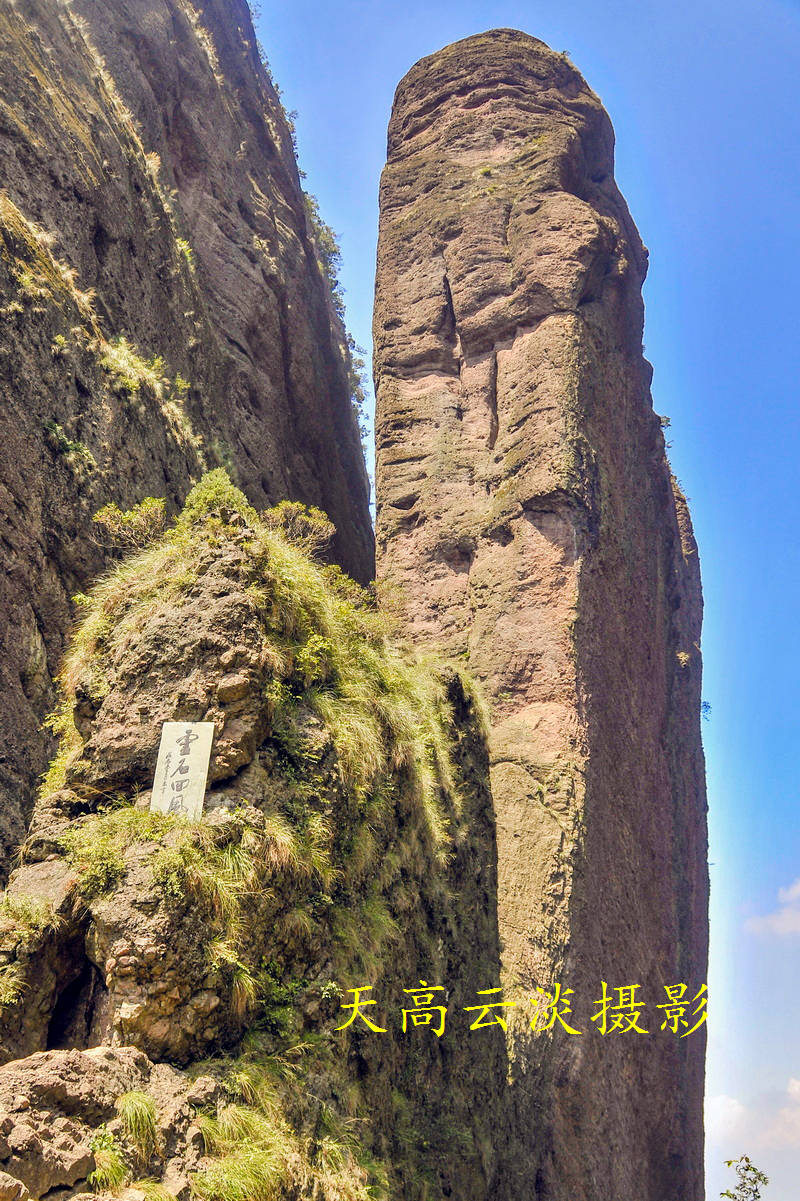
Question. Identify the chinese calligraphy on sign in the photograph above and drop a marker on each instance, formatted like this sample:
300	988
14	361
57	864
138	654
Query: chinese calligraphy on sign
182	768
619	1010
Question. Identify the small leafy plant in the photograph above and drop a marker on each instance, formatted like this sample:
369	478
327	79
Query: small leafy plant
750	1180
109	1167
62	445
185	248
12	984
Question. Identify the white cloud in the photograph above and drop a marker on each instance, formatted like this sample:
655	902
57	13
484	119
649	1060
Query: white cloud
785	919
725	1117
727	1120
792	893
784	1129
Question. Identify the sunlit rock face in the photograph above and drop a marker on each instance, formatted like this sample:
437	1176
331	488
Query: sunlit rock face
527	519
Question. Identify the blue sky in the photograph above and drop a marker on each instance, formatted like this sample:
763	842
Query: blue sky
703	97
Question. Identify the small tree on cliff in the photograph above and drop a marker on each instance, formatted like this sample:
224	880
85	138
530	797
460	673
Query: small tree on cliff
750	1180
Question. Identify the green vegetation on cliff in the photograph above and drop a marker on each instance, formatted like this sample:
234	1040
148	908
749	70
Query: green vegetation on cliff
332	669
325	640
335	834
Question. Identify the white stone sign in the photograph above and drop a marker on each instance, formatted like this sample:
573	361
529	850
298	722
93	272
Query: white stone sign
182	768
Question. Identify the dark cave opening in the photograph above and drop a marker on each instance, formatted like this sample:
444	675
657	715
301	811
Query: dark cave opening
74	1010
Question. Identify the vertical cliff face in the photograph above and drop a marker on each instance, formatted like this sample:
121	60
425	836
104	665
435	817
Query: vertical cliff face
164	311
527	519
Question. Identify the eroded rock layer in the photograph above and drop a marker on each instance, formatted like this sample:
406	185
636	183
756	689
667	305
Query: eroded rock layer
163	310
527	518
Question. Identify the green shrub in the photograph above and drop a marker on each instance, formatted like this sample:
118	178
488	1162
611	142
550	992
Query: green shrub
132	529
276	1000
215	497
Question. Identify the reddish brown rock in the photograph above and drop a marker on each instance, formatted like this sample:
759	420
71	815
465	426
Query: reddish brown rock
54	1104
527	519
150	193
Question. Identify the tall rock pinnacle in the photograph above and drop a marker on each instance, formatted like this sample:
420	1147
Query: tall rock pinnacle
527	518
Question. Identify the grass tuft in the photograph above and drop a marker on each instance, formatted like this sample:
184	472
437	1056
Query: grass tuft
129	370
153	1190
12	984
258	1156
137	1114
27	917
249	1174
96	845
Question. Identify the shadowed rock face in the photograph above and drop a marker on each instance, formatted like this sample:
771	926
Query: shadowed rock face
144	157
527	518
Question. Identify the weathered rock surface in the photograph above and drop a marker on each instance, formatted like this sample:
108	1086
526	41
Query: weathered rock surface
149	193
528	520
53	1103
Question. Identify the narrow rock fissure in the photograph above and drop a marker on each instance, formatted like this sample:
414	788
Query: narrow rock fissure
491	401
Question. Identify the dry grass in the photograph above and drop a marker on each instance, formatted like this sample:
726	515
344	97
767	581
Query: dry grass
257	1155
